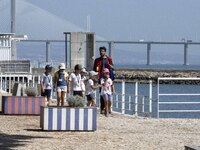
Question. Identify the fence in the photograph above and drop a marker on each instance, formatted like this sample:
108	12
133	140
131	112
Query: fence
172	102
122	103
130	103
7	81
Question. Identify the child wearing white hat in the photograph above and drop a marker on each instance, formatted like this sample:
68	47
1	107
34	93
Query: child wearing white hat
83	73
90	88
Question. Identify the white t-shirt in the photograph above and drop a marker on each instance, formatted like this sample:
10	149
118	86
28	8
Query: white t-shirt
76	81
106	88
89	89
83	78
46	81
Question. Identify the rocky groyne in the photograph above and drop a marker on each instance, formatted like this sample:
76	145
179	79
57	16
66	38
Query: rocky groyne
153	74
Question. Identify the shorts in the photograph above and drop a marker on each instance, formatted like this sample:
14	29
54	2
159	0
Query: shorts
62	89
107	97
90	97
80	93
47	93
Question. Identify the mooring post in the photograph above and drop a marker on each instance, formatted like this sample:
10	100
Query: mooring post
185	54
148	54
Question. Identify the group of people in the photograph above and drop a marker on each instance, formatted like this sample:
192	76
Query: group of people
78	84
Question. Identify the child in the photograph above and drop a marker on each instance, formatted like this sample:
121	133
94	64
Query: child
83	80
90	88
106	91
46	83
61	83
75	81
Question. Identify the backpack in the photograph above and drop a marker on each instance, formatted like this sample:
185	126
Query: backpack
57	75
98	67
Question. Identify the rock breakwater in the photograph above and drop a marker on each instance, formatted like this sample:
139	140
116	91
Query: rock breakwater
154	74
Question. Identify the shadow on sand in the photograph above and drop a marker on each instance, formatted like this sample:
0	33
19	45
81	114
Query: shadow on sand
8	142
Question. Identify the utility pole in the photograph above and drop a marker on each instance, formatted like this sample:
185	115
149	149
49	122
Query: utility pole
13	30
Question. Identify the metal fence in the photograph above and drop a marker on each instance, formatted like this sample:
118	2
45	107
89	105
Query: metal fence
132	104
176	102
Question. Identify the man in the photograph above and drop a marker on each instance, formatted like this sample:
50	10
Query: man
46	83
100	63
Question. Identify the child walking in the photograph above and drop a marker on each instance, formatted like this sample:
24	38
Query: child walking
83	73
107	90
75	81
90	88
46	83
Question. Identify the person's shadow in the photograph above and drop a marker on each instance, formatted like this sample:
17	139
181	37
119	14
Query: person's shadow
8	142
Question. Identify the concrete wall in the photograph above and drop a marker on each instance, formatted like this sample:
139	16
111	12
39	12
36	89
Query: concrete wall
77	49
90	50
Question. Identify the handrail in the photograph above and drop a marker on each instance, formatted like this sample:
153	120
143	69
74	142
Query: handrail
175	94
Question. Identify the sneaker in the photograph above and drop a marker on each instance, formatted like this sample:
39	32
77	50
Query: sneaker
106	114
101	112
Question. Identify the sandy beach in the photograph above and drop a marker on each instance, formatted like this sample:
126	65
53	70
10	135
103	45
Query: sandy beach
113	132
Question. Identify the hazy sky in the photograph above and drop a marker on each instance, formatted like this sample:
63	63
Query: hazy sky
131	19
150	20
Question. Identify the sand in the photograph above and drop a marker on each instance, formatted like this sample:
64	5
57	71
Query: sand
114	132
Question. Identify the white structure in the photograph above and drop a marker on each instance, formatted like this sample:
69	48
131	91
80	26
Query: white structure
5	46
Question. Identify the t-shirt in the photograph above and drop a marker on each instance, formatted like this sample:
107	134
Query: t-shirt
75	79
83	79
106	88
46	81
89	89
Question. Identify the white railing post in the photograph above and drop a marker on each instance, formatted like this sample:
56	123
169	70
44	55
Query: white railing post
117	100
9	83
158	91
129	102
123	97
136	98
143	104
150	96
1	81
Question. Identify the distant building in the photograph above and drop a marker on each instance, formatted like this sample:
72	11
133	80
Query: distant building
5	46
7	65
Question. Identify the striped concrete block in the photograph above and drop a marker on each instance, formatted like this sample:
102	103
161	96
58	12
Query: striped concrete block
68	118
1	97
22	105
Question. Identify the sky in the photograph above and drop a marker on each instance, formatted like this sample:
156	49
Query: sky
133	20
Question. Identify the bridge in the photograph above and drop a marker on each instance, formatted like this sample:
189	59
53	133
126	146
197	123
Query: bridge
111	47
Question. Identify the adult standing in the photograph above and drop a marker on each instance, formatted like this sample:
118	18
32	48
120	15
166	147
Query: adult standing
100	63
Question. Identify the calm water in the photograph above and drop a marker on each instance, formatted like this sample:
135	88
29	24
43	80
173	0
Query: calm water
172	89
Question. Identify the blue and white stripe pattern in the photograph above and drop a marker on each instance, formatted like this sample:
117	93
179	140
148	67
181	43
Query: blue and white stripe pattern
69	119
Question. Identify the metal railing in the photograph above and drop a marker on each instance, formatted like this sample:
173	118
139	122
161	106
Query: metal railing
130	103
175	94
122	102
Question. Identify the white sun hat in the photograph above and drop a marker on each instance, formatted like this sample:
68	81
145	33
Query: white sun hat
93	73
62	66
84	70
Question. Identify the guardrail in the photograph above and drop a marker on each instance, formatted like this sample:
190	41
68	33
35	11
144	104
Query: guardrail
175	94
122	102
130	103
